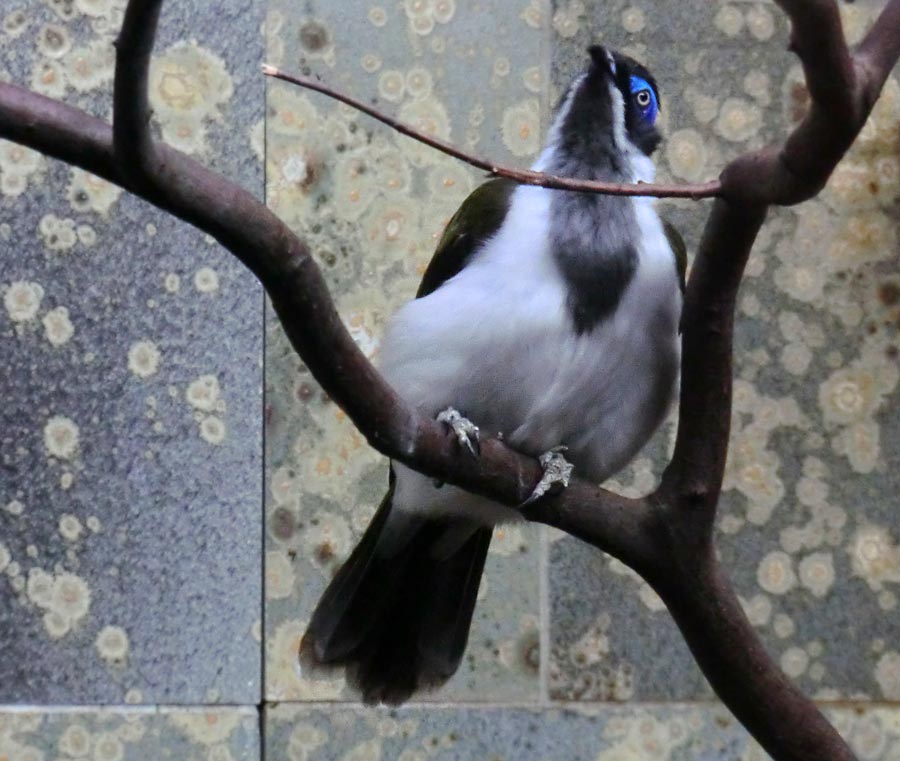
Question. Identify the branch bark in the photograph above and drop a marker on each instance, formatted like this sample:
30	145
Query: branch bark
710	189
667	536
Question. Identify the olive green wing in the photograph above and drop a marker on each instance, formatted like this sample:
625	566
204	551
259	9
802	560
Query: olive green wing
676	242
479	217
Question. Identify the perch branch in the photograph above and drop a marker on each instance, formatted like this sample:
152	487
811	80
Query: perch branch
709	189
696	591
666	536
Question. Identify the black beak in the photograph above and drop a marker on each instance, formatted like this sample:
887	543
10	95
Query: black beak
603	59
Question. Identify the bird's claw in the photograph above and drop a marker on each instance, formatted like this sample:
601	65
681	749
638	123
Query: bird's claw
557	470
466	431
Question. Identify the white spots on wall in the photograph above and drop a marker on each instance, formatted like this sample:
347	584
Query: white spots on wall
392	85
887	674
87	192
521	127
58	327
212	429
783	626
143	359
794	661
279	575
206	280
58	233
875	557
687	155
758	86
90	66
93	523
108	747
61	437
22	300
428	115
70	527
134	696
377	16
112	644
533	79
567	19
187	86
738	120
633	20
816	572
419	82
14	507
207	727
758	609
64	598
370	63
203	393
775	573
75	741
5	557
760	22
592	647
17	165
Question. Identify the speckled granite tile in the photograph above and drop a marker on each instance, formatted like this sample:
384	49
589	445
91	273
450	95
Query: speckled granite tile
130	429
587	733
808	523
130	734
372	206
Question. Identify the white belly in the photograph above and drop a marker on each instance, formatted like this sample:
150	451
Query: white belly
496	342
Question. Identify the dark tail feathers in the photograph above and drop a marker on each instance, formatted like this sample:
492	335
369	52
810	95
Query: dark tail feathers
397	614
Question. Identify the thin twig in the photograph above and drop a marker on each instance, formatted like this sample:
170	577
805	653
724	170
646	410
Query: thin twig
711	189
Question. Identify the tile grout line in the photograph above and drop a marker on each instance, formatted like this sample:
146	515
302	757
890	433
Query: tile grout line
546	55
544	618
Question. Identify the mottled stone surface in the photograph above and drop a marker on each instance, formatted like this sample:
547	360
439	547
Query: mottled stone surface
131	472
372	206
808	526
131	734
130	428
589	733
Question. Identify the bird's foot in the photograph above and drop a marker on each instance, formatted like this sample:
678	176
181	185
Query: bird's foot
466	431
557	470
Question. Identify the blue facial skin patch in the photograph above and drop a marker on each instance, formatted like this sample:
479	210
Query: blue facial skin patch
651	110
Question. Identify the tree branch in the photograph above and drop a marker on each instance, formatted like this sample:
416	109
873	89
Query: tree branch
695	192
668	535
727	649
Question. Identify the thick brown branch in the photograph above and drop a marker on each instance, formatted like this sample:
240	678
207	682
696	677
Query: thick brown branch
709	189
132	141
667	536
727	649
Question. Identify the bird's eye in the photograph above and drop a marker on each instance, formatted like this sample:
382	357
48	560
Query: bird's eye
642	98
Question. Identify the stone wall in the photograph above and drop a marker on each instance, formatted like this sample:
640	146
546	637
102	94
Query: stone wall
165	532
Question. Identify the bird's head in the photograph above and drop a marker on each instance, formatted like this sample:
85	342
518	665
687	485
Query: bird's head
609	110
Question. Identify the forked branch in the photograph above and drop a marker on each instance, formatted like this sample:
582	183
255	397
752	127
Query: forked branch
666	536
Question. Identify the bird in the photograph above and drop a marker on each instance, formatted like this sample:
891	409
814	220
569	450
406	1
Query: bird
547	317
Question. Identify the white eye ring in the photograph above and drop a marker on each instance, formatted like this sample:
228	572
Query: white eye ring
643	98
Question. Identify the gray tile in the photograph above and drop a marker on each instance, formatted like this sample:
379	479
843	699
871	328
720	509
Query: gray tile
807	526
372	206
130	734
130	430
589	733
